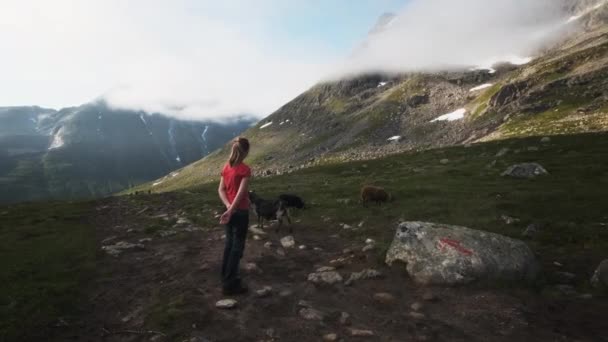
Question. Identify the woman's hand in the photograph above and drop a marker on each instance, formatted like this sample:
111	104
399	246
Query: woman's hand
225	218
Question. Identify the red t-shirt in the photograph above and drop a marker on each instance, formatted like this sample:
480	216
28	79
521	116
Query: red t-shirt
232	180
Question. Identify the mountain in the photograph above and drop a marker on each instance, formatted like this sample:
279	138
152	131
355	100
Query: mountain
94	150
561	91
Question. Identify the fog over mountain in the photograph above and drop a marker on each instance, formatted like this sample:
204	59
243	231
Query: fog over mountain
433	35
180	59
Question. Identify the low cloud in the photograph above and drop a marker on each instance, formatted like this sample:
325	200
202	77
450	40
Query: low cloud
184	59
431	35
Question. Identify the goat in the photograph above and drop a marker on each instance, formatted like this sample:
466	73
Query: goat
374	194
292	201
268	209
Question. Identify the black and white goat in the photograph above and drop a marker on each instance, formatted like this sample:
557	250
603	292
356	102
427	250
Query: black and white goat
269	210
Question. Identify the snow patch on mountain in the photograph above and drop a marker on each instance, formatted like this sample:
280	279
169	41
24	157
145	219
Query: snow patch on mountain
266	125
453	116
483	86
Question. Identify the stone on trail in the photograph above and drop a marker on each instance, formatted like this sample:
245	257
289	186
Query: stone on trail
325	275
288	242
257	231
451	255
416	306
525	170
360	333
226	304
344	318
384	297
330	337
600	276
416	315
263	292
311	314
120	247
365	274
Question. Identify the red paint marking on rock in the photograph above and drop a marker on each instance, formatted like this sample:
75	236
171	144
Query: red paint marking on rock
456	245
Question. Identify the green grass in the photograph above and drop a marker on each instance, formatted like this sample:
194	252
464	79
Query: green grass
466	192
47	257
480	104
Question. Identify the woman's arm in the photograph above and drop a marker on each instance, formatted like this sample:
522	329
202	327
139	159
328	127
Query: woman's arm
222	192
243	191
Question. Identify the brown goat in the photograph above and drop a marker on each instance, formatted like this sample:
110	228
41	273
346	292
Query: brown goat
374	194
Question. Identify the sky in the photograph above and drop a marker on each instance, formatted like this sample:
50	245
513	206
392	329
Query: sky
211	59
194	58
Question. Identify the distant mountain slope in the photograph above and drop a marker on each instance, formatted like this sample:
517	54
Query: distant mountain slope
93	150
562	91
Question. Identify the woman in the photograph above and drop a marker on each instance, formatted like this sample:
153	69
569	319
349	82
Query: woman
233	191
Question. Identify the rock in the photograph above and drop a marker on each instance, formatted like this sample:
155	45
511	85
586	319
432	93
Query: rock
311	314
304	304
182	221
251	267
361	224
564	277
367	248
268	245
344	318
416	315
325	275
360	333
365	274
302	247
317	249
167	233
347	251
285	293
384	298
280	251
600	276
449	255
444	161
416	306
532	229
369	241
257	231
119	247
346	226
525	170
144	240
288	242
567	290
330	337
257	238
545	140
503	151
509	220
226	304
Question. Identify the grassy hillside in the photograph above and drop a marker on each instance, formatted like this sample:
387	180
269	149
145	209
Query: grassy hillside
49	251
47	258
563	91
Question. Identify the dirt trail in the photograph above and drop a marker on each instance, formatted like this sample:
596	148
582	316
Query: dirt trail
171	287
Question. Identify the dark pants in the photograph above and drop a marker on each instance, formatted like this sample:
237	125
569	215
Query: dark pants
236	235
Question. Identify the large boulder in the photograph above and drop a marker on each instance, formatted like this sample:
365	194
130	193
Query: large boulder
450	255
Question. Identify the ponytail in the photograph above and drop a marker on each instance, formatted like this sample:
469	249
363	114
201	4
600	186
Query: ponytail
240	148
